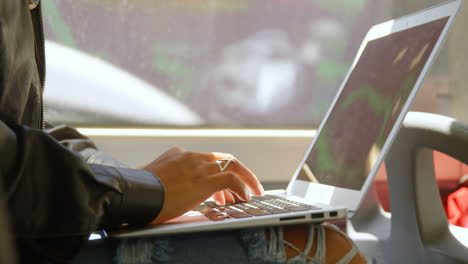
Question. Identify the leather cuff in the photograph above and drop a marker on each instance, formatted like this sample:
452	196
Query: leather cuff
142	195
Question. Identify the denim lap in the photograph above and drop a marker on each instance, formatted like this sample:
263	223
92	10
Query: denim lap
244	246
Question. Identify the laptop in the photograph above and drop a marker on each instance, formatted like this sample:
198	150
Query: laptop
352	140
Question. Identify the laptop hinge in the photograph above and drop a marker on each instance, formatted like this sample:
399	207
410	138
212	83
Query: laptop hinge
350	213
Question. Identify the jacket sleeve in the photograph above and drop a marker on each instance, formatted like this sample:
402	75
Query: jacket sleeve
73	140
52	191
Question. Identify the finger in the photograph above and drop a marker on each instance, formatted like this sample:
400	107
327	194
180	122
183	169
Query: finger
229	197
212	168
219	197
236	166
214	156
246	175
229	180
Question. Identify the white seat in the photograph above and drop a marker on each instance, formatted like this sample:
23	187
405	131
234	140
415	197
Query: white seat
417	230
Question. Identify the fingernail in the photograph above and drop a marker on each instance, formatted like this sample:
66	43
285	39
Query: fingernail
259	191
246	195
262	191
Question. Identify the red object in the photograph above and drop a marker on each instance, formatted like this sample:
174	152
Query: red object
457	207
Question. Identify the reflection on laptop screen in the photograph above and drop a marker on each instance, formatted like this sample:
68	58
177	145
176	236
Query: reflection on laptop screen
350	142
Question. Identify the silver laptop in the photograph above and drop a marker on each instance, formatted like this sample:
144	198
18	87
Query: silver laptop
352	140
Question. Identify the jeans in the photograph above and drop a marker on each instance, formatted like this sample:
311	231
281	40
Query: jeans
242	246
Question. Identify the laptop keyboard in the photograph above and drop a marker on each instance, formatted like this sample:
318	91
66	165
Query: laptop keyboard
257	206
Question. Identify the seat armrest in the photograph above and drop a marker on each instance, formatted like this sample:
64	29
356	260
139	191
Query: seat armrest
414	197
417	230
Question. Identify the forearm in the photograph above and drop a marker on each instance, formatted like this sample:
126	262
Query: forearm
54	192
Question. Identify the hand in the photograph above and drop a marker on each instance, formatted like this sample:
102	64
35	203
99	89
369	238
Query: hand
190	178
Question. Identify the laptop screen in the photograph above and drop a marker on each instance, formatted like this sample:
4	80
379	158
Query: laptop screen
349	144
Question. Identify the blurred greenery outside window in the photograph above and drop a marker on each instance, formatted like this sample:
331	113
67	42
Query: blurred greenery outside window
203	63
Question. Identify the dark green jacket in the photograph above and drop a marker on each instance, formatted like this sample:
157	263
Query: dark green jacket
58	188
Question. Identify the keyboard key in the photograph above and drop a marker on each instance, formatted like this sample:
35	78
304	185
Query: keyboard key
297	208
211	204
257	212
217	217
259	205
262	198
237	214
202	208
269	208
277	210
